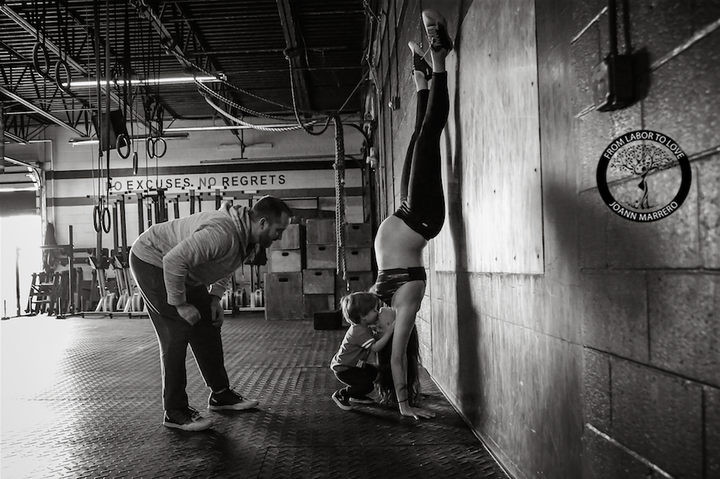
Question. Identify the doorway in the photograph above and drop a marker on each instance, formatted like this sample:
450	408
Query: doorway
20	256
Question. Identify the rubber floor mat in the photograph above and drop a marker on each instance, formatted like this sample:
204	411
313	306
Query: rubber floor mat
81	399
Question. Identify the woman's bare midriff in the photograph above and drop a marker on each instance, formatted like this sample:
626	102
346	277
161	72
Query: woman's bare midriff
398	246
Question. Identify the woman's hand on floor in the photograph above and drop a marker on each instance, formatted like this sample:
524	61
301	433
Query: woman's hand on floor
415	412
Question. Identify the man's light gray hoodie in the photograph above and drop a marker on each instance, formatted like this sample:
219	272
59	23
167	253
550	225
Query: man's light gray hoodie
201	249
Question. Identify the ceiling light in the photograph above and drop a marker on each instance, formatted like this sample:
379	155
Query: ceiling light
219	128
140	82
84	141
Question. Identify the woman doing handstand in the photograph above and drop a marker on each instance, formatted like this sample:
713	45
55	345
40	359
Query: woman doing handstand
402	237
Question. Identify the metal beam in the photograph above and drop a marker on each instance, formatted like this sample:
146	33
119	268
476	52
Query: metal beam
38	110
176	44
42	38
53	47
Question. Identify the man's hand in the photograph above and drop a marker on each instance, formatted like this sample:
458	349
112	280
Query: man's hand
188	312
217	311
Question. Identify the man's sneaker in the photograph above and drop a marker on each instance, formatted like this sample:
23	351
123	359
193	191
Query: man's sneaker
229	400
363	400
419	63
186	419
341	401
436	29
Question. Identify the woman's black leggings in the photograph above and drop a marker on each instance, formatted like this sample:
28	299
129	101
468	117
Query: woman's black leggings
421	191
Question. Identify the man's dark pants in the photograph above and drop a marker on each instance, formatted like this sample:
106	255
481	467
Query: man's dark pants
175	334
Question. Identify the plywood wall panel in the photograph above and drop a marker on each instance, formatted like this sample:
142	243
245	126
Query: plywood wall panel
495	106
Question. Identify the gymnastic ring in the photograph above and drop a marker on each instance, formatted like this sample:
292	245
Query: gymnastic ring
106	221
135	163
150	147
162	141
36	51
96	218
58	78
118	145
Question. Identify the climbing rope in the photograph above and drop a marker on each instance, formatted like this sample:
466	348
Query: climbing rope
339	167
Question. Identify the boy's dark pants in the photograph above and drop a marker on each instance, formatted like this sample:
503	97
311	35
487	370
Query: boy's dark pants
358	380
175	334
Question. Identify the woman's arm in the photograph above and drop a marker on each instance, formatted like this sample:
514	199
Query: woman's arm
406	304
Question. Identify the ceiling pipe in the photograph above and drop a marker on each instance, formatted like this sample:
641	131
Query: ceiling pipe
293	55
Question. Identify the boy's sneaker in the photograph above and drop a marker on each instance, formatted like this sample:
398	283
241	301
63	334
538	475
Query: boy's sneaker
363	400
186	420
342	402
436	29
229	400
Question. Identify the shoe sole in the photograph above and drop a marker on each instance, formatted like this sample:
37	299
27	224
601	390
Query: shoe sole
186	427
415	48
235	407
361	401
341	405
431	19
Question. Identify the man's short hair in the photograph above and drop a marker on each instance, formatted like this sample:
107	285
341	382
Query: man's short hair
271	208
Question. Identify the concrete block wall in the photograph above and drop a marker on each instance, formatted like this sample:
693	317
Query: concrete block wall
605	363
650	292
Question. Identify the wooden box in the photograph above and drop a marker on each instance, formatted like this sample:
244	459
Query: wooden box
329	319
285	260
357	281
320	231
358	259
320	256
292	238
358	235
283	296
312	303
319	281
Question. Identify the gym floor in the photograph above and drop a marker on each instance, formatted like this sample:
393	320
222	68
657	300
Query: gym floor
81	399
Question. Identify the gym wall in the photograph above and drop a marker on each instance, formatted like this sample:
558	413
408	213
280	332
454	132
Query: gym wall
599	360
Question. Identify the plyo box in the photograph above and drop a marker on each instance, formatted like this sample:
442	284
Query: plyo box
285	260
320	231
329	319
283	296
321	256
292	238
358	259
357	281
358	235
318	281
314	303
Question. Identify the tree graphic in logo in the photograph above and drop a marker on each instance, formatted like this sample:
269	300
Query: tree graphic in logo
641	160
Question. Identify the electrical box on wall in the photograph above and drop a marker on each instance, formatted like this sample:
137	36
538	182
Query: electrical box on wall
613	83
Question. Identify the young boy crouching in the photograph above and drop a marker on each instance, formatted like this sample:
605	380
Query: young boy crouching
350	363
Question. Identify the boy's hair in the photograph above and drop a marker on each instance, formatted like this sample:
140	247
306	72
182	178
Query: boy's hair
356	305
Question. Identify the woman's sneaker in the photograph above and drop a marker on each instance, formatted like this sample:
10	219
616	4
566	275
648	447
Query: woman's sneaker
186	420
229	400
341	401
436	29
419	63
